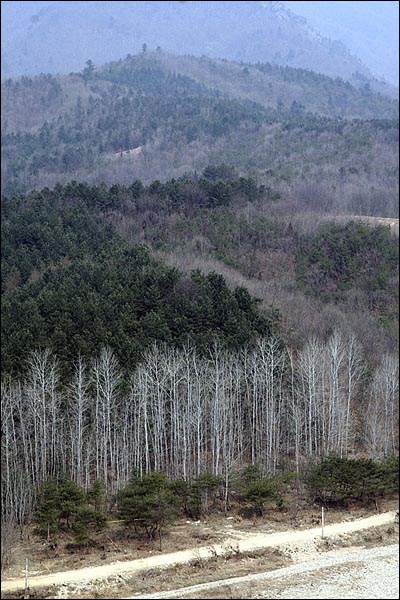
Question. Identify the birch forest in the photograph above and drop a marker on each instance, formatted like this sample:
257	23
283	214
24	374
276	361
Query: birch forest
184	414
199	284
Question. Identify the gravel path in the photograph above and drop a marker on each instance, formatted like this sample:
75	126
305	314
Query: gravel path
248	543
371	573
377	578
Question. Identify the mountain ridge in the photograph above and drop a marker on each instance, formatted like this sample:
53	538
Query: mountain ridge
273	33
188	112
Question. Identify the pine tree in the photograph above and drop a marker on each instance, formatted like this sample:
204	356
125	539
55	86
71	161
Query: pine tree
87	72
47	511
148	504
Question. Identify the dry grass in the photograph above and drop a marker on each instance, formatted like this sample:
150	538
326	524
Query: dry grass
233	564
113	546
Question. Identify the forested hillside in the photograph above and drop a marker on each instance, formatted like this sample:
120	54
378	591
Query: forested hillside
53	37
154	116
72	284
193	305
98	336
76	273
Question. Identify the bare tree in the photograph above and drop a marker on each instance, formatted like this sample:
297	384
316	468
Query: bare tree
107	378
8	539
187	415
311	372
44	404
78	420
383	408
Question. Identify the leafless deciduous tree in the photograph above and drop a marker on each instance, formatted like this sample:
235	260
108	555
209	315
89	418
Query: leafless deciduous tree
187	414
383	408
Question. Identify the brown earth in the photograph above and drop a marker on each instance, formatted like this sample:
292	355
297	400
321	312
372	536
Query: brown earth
236	543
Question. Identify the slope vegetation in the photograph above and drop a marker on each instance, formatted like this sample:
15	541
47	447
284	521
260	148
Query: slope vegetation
186	113
249	31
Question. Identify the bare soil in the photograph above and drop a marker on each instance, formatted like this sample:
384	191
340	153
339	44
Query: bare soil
115	545
239	556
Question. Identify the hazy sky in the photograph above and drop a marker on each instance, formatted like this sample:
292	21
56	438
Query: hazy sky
369	29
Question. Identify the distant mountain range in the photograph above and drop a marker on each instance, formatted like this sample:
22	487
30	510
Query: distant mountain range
58	37
370	30
155	115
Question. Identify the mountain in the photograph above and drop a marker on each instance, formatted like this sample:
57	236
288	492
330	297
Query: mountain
78	270
214	166
370	30
157	116
58	37
199	270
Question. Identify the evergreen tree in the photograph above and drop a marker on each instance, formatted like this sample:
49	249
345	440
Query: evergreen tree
58	500
86	522
47	511
337	480
96	495
148	504
259	492
87	72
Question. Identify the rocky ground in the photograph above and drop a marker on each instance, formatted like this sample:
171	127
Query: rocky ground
359	573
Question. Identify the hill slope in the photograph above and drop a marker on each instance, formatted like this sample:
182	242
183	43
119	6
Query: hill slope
369	29
75	274
183	113
54	36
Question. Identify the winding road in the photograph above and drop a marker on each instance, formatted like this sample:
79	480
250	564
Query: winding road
245	544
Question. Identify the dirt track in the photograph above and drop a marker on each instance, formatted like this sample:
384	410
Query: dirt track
246	543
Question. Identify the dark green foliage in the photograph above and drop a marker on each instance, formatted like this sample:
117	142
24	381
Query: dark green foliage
336	95
338	480
390	473
198	496
223	172
69	499
259	492
71	284
87	521
96	495
249	474
87	136
254	490
207	487
58	503
88	71
189	496
139	101
147	77
147	504
205	213
63	504
47	511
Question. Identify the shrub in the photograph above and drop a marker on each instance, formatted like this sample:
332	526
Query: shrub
148	504
337	480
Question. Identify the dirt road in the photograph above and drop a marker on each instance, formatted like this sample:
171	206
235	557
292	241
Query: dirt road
249	543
